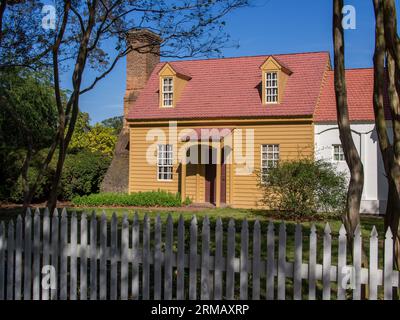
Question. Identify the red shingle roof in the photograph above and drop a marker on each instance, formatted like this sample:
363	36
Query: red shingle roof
360	88
230	88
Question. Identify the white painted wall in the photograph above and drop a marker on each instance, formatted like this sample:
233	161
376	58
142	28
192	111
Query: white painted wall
365	138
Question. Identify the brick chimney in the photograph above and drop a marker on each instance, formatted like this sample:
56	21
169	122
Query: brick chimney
140	63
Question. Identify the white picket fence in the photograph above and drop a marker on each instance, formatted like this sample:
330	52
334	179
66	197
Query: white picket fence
141	261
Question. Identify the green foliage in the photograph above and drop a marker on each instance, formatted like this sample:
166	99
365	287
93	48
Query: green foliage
304	187
28	120
115	123
13	187
140	199
17	192
28	109
96	139
83	172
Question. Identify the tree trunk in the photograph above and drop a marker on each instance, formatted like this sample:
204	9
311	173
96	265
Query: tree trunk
25	172
72	109
351	216
386	41
393	213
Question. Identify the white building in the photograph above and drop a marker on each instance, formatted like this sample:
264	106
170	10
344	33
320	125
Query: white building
327	141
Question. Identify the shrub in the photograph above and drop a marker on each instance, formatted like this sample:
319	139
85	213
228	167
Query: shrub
17	191
83	173
14	191
140	199
304	187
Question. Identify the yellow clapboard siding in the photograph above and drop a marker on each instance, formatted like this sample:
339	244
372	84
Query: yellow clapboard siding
296	140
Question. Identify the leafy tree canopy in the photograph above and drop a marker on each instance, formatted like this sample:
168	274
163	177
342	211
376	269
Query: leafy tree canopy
115	123
97	139
28	114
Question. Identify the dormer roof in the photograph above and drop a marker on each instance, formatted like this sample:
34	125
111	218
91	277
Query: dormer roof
177	69
273	63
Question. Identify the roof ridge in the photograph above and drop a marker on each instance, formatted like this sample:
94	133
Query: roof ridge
250	56
354	69
363	68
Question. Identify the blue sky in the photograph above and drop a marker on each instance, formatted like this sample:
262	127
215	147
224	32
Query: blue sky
267	27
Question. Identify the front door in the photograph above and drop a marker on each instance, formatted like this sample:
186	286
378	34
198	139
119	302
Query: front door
223	177
210	181
211	173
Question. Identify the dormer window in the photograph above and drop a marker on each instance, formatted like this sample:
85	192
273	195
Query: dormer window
274	78
168	92
173	80
271	87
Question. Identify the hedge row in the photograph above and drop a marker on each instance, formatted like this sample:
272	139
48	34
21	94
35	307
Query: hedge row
139	199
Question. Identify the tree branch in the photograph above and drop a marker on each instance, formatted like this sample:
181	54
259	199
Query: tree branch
105	73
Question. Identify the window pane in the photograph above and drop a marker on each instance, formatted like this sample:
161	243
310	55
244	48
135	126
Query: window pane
164	162
167	92
271	87
269	158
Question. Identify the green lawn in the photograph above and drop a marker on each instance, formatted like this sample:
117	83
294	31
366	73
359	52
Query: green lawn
367	222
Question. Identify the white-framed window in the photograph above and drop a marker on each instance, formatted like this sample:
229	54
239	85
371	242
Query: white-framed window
271	87
338	154
269	159
167	91
164	162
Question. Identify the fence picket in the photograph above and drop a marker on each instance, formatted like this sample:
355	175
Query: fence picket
169	240
270	261
193	260
146	259
205	260
73	272
93	257
157	259
230	261
36	255
388	266
342	263
18	259
357	263
135	257
83	258
312	266
10	261
63	255
46	248
256	260
103	257
124	257
282	263
244	256
28	255
114	263
218	260
28	244
54	252
180	280
373	265
2	260
326	263
298	262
